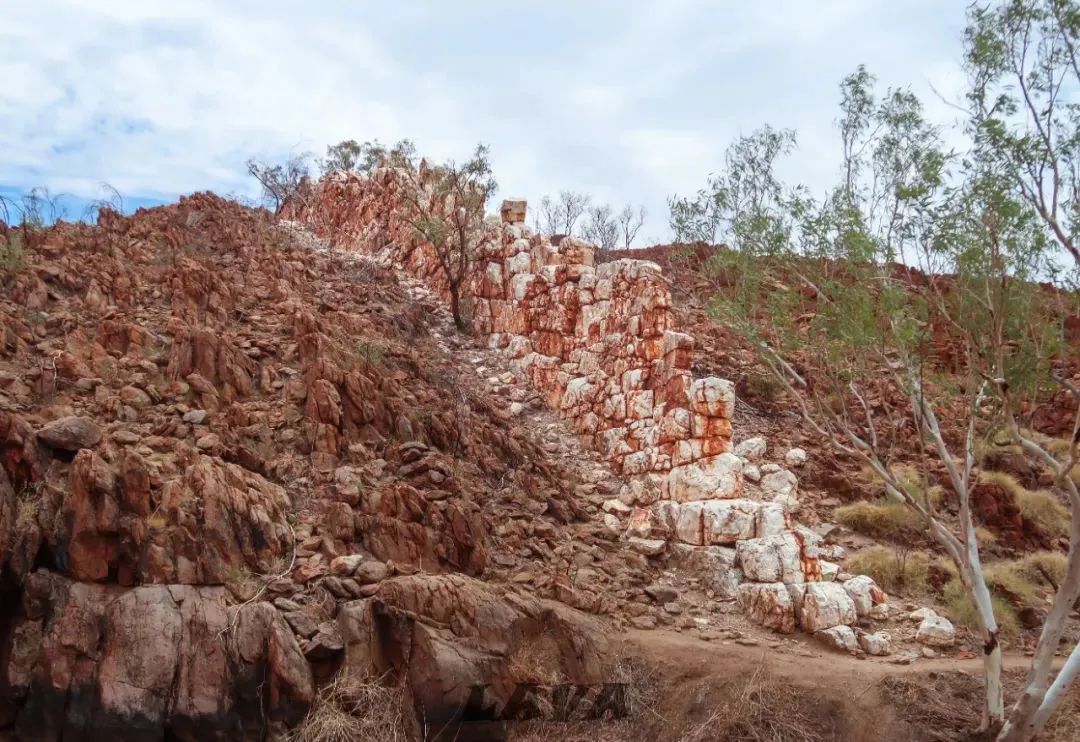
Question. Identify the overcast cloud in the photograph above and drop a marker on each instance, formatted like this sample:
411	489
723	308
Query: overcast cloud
629	101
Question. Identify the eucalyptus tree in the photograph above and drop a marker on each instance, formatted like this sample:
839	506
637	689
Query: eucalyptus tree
829	278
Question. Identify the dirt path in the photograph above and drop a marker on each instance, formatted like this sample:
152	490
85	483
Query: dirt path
808	662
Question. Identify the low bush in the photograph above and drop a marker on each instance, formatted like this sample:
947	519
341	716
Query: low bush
962	610
886	520
895	570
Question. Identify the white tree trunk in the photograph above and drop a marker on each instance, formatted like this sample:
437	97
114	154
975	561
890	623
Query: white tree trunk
1039	699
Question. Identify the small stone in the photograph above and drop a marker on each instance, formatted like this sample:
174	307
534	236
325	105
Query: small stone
135	397
647	546
125	437
751	472
344	566
918	615
616	506
195	417
371	571
208	442
643	622
877	644
302	624
662	593
795	457
752	449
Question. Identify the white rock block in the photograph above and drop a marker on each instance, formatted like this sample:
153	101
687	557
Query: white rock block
840	638
781	482
712	522
796	457
715	477
772	520
864	593
878	644
712	396
936	631
827	604
781	558
752	450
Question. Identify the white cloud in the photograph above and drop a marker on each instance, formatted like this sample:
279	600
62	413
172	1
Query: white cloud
628	100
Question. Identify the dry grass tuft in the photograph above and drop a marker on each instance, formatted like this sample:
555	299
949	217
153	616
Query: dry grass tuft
347	710
536	662
887	520
947	706
1045	510
764	708
897	571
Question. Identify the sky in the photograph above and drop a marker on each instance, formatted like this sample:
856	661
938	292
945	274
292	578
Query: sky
629	101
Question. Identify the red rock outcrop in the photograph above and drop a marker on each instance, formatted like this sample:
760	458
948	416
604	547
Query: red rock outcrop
150	662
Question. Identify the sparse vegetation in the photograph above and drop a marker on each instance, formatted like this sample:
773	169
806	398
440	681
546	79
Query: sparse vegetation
370	352
348	710
11	254
896	570
280	182
444	205
885	520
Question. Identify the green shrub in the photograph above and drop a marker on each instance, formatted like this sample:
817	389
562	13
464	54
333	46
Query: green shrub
11	254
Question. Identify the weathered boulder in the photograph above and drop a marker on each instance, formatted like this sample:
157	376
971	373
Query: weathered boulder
214	517
706	522
768	604
840	638
936	631
443	635
865	593
826	604
152	662
878	643
70	433
716	477
780	483
795	457
786	557
713	566
752	449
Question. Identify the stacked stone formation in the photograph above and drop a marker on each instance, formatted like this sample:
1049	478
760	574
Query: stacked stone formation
599	343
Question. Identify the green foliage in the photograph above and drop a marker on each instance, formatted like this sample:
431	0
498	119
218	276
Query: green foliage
11	253
444	205
1023	68
370	352
1015	585
351	156
1039	506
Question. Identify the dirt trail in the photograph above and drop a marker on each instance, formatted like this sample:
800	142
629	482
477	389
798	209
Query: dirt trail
808	663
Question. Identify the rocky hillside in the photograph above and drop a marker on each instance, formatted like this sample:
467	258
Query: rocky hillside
200	410
245	458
